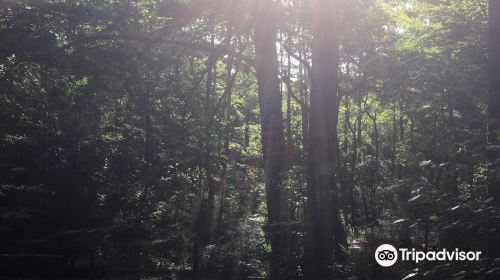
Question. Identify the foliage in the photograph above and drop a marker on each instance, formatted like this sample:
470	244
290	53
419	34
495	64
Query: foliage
119	118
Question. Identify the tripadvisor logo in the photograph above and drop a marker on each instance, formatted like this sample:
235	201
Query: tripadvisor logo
387	255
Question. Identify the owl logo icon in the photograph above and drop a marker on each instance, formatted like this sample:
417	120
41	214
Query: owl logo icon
386	255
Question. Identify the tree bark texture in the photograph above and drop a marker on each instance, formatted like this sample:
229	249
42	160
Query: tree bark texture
322	218
272	129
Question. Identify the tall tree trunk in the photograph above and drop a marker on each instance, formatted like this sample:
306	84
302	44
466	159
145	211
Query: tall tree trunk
289	133
228	132
322	205
401	136
394	140
304	113
273	141
209	164
204	223
350	164
304	108
374	178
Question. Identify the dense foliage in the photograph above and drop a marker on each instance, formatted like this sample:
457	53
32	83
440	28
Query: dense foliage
131	138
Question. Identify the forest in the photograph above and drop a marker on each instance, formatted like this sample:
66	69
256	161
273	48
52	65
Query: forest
249	139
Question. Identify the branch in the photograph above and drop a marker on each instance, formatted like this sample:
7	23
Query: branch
342	92
304	62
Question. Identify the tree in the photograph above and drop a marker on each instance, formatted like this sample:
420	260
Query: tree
272	130
322	202
132	135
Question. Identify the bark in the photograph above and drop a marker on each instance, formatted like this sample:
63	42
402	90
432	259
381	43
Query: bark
394	140
228	132
273	141
304	107
350	165
289	133
401	136
322	219
202	231
374	177
304	113
209	164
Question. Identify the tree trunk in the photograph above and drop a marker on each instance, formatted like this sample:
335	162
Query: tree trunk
322	205
273	141
394	140
209	164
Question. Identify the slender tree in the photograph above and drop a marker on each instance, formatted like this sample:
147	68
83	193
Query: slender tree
273	141
322	206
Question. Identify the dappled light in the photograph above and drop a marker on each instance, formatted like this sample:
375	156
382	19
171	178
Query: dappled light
250	139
